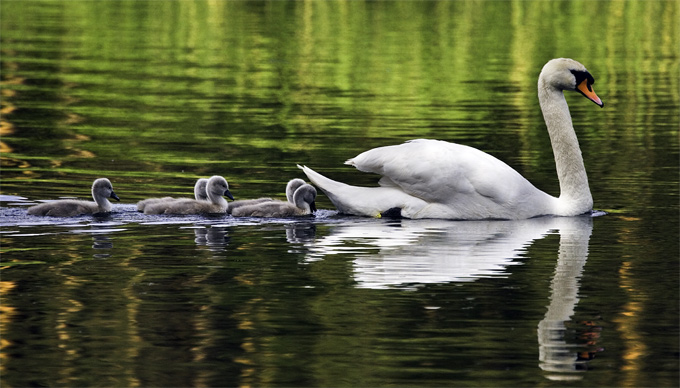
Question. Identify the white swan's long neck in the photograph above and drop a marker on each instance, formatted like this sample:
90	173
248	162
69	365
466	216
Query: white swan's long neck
575	197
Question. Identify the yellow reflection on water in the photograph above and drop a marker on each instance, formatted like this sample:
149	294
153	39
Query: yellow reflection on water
7	314
629	324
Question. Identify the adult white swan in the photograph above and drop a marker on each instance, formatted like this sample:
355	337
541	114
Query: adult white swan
436	179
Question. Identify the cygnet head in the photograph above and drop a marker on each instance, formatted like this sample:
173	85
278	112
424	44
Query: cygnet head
292	186
568	74
304	198
217	187
200	192
102	188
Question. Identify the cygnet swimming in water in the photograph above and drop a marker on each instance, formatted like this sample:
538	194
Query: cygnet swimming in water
101	190
199	194
303	204
217	187
292	185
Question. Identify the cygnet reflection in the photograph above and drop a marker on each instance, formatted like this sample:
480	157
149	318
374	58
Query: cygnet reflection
215	237
300	232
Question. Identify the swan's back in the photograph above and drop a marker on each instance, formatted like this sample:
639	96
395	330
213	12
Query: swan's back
141	205
303	197
246	202
272	209
199	194
291	187
186	206
64	208
450	174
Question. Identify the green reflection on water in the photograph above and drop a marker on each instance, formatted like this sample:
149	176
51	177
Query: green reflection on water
155	94
256	87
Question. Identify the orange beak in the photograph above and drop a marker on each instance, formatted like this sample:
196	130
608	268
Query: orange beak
587	90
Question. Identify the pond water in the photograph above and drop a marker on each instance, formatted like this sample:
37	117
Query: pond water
154	95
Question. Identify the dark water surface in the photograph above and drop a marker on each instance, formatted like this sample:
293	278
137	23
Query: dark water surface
155	94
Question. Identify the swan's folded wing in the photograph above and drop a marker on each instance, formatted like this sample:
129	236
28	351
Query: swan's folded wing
442	172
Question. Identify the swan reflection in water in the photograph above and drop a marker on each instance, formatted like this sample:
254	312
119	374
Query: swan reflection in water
414	252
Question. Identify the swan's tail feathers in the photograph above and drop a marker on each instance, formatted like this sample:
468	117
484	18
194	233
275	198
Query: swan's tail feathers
320	180
330	187
342	195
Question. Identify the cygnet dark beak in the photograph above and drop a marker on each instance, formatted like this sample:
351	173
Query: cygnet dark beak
228	195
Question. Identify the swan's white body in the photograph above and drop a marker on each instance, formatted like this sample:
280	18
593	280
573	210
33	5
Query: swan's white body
216	187
437	179
199	194
101	190
303	204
